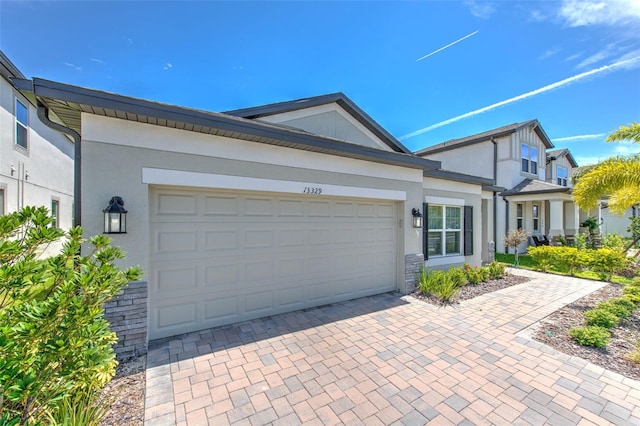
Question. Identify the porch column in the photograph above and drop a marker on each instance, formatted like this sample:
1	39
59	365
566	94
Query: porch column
556	214
572	218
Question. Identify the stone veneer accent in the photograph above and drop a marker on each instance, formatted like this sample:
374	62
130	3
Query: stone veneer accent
412	265
127	314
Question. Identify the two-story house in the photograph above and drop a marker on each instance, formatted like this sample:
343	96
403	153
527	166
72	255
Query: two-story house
36	162
532	186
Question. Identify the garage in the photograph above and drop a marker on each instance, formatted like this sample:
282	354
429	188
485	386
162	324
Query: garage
223	256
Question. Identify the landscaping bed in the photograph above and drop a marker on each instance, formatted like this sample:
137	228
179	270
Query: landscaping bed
128	388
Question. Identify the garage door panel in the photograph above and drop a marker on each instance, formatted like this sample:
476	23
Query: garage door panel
178	278
176	204
246	255
221	206
221	240
221	309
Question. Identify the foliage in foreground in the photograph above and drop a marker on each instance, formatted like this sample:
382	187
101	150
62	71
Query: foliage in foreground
55	344
446	284
605	261
590	336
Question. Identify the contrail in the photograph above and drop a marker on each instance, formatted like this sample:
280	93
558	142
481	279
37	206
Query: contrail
578	137
448	45
544	89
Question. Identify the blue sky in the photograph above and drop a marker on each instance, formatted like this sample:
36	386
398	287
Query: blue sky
426	71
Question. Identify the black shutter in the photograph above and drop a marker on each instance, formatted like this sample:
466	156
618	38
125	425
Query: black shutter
425	230
468	230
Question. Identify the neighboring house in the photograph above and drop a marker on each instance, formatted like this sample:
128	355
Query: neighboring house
529	189
36	162
263	210
611	223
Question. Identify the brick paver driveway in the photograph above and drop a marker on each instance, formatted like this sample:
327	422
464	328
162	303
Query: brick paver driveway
390	360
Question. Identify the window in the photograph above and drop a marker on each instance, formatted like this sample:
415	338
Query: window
529	159
519	216
1	201
444	229
562	176
536	217
55	213
22	124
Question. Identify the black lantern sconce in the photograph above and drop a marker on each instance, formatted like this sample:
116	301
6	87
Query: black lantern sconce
115	217
417	218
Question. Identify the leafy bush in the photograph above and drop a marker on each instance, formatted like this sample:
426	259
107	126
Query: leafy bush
635	356
474	275
54	340
496	270
590	336
83	409
607	261
438	283
601	318
514	238
619	306
543	256
615	242
632	292
571	259
457	276
581	242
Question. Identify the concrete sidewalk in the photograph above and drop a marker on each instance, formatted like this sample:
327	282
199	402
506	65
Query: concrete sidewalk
390	360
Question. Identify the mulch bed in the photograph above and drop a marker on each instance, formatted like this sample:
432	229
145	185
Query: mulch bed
128	387
554	330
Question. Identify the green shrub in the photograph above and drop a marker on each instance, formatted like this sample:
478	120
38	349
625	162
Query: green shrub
543	256
83	409
635	356
54	340
632	292
474	275
496	270
571	259
581	241
438	283
601	318
615	242
607	261
619	306
590	336
457	276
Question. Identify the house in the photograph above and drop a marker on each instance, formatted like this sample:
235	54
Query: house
36	162
529	186
258	211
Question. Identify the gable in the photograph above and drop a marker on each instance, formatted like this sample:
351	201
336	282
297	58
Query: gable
329	120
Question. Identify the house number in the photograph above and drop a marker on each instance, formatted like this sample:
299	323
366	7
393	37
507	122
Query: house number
312	190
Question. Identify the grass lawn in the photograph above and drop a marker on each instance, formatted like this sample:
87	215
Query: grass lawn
526	262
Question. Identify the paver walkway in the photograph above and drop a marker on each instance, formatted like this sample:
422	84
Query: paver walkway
390	360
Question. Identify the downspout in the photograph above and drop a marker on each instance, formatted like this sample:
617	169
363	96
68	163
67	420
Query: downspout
506	216
43	115
495	193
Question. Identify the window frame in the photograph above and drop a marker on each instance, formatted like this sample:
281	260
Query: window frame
445	230
564	179
55	212
20	126
535	217
529	162
519	216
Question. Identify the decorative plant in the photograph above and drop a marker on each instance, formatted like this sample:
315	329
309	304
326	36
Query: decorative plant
55	343
514	238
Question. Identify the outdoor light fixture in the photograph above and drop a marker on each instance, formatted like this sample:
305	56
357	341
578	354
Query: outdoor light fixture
115	217
417	218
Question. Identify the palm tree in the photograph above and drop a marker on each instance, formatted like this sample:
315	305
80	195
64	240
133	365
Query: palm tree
617	178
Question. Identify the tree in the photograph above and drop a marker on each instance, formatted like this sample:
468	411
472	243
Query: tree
513	239
617	178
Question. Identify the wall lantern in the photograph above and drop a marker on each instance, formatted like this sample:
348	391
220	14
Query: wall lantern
417	218
115	217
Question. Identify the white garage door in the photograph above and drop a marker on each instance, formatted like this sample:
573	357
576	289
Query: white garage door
223	257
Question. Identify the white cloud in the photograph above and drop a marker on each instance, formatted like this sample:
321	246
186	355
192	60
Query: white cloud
633	62
75	67
168	66
537	16
549	53
573	57
99	61
577	13
579	137
448	45
480	9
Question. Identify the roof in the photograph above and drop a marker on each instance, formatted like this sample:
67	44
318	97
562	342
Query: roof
458	177
338	98
534	186
7	69
488	135
552	155
68	102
